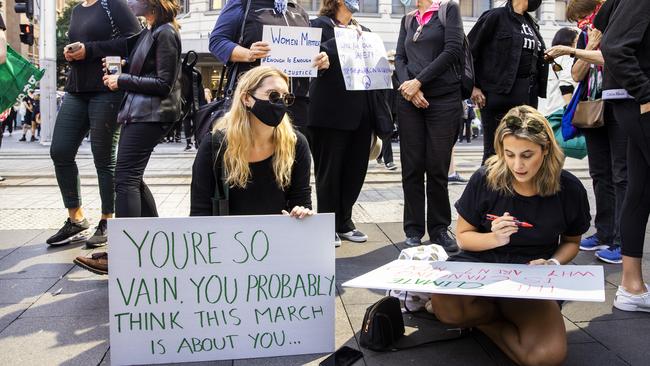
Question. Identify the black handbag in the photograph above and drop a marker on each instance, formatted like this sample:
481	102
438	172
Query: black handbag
383	121
220	200
383	328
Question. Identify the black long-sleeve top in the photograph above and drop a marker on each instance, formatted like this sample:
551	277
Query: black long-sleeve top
91	24
434	58
262	195
626	49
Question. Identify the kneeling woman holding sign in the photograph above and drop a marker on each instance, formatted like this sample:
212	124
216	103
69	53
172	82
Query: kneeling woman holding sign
520	208
256	164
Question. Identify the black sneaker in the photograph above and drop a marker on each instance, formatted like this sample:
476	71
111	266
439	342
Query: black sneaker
445	240
413	241
99	238
70	232
354	235
33	139
188	147
22	138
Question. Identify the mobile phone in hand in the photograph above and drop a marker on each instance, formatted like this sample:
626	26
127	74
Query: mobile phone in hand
73	47
113	65
344	356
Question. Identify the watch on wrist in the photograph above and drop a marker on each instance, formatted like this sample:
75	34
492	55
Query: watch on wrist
554	261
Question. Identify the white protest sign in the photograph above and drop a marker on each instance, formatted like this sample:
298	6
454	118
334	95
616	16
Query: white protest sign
292	49
220	288
577	283
363	60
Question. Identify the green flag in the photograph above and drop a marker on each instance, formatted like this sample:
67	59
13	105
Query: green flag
17	76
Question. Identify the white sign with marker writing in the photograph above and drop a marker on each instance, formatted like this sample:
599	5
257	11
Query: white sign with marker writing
220	288
577	283
363	60
293	49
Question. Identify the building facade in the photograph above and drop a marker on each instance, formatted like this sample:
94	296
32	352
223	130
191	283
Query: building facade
383	17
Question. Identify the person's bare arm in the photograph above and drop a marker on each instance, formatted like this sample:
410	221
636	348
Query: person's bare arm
3	47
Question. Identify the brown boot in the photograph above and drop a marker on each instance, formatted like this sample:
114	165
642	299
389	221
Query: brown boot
97	263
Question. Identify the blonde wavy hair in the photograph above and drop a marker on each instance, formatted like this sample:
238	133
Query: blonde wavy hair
547	179
236	126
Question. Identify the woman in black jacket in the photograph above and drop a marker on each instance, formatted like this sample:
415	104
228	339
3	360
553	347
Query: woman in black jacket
508	52
150	107
338	127
427	65
89	106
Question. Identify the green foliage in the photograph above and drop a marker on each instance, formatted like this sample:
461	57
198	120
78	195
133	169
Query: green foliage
62	26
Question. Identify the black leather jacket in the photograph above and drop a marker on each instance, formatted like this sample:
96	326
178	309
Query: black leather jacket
496	43
153	90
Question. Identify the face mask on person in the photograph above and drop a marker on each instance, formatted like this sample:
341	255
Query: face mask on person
271	114
139	8
533	5
352	5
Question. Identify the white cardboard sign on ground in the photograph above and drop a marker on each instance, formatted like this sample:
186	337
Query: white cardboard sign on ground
363	60
220	288
577	283
293	49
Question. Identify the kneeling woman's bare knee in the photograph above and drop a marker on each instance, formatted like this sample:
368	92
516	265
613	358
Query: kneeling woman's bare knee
450	309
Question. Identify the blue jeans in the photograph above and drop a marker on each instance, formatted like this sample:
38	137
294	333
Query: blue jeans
80	113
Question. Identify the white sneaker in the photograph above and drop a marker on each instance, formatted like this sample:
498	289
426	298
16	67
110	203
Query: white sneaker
354	235
337	240
630	302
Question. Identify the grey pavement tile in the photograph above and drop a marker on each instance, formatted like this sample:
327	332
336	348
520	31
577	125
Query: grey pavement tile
12	239
593	354
354	260
359	296
67	341
603	311
23	290
36	261
73	297
627	338
393	230
575	334
10	312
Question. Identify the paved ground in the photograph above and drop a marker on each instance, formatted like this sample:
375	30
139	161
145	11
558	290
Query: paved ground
54	313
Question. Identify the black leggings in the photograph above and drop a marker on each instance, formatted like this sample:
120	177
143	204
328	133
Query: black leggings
132	196
636	206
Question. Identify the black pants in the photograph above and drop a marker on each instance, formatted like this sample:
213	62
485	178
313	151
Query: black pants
188	129
636	206
607	154
133	197
386	153
465	130
427	137
340	165
79	114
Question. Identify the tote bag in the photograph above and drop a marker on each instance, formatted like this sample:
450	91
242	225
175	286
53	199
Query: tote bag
17	76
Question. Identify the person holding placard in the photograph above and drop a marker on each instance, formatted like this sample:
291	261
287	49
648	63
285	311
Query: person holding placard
264	163
339	126
521	207
427	64
242	57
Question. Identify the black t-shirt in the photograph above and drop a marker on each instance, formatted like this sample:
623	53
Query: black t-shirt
530	48
565	213
91	24
2	23
262	195
29	115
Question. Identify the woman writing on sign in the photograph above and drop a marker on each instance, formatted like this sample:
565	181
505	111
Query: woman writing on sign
255	154
521	207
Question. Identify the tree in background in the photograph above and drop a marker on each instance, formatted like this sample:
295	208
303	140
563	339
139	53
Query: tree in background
62	26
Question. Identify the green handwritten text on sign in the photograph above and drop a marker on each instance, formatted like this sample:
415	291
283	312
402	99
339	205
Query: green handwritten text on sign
220	288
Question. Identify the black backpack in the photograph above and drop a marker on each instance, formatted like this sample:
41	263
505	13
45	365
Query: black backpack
192	96
466	62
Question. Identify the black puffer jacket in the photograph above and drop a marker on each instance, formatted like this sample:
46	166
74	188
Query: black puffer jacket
153	90
497	43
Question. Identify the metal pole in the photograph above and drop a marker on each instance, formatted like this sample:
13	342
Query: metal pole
47	58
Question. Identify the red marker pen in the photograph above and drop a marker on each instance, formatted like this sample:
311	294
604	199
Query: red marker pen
522	224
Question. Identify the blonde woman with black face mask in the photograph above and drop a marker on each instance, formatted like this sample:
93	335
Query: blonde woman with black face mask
266	162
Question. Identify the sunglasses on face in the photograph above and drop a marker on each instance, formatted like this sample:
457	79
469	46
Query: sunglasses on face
515	124
278	98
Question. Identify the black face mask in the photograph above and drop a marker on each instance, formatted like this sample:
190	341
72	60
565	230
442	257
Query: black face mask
533	5
271	114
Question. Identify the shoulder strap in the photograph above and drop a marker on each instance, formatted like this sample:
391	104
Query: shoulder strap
115	32
442	13
221	191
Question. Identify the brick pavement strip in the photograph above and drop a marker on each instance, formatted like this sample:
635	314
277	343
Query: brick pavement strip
54	313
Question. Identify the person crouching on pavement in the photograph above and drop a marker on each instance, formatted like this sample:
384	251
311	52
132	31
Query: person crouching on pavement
152	104
523	182
264	163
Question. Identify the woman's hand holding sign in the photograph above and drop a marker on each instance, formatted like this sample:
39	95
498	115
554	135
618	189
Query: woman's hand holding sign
322	61
258	50
299	212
